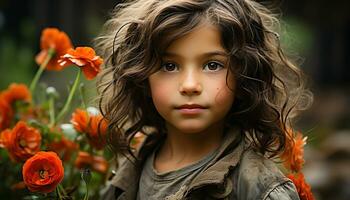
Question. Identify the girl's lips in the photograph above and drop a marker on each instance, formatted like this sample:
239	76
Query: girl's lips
191	106
191	109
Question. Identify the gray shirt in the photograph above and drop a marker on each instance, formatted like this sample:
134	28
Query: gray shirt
155	186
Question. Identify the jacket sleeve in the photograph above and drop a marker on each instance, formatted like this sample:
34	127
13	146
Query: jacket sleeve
260	178
285	191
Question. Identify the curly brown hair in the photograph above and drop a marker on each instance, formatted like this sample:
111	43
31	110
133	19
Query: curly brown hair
270	92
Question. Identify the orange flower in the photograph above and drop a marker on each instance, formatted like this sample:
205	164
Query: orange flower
97	131
95	127
64	147
83	160
17	92
85	58
6	113
24	142
304	190
43	172
293	155
57	40
35	112
13	93
96	163
5	138
80	120
99	164
18	186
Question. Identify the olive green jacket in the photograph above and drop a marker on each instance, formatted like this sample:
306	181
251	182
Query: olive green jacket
235	173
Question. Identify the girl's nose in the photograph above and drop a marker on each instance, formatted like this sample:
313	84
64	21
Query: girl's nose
190	83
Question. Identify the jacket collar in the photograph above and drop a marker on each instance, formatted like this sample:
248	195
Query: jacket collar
227	158
128	173
229	153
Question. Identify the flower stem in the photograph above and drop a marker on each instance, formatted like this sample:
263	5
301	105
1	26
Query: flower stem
82	93
52	111
58	192
71	167
86	197
42	67
69	99
86	176
61	189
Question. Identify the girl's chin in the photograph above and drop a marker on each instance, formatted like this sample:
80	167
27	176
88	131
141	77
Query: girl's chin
190	129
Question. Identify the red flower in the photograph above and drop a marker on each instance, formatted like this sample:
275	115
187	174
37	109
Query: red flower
293	154
94	126
64	147
43	172
85	58
57	40
96	163
24	142
304	190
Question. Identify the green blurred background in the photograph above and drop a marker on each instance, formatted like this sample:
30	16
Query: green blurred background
316	33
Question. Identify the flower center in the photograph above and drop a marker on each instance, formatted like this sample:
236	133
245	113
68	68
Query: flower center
22	143
43	174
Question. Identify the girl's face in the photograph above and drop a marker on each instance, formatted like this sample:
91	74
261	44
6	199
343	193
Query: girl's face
189	90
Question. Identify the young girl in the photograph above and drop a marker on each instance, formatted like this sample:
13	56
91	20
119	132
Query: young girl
208	84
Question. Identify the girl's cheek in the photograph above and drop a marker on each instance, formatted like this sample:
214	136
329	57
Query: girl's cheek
161	93
222	93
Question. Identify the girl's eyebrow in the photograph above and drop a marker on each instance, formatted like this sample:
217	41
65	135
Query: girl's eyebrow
206	54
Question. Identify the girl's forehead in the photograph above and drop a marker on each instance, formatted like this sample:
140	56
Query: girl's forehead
205	37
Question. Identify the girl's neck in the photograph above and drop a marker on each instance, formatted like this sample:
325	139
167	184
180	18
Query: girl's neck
181	149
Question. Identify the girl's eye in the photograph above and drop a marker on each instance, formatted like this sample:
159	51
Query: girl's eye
169	67
213	66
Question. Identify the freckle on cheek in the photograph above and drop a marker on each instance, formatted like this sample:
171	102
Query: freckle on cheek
222	96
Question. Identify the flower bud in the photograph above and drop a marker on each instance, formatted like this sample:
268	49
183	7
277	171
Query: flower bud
69	131
86	175
93	111
52	92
